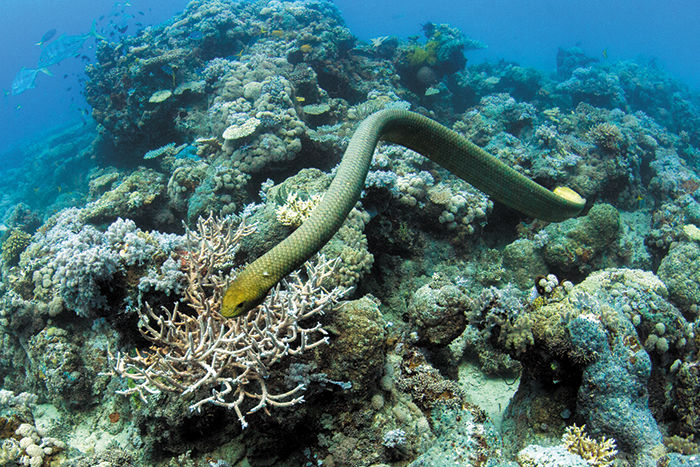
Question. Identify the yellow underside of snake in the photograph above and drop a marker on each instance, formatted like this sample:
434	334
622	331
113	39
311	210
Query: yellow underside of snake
423	135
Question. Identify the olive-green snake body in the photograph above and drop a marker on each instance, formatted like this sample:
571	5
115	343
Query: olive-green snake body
423	135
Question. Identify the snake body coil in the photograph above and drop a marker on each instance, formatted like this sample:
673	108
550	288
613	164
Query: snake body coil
424	136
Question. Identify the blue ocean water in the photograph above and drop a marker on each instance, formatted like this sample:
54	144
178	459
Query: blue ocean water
526	32
57	99
529	32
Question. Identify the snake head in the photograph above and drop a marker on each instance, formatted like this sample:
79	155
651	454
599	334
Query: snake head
239	299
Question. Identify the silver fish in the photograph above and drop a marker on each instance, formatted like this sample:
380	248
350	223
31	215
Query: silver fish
25	80
65	47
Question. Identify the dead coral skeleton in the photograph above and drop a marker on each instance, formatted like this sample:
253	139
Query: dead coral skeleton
191	352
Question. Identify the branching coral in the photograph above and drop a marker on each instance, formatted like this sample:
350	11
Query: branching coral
597	454
207	351
295	210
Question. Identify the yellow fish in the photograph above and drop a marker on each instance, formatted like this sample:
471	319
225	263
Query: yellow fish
300	99
306	48
278	33
605	53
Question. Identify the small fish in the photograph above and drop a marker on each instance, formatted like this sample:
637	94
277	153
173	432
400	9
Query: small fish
300	99
46	37
140	12
25	79
605	53
65	47
278	33
196	35
306	48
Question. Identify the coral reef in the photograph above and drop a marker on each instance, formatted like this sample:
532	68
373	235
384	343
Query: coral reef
74	261
195	355
118	238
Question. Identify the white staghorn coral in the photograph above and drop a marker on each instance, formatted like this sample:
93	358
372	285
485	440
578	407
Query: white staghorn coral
190	353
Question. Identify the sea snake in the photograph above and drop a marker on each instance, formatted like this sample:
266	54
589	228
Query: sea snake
423	135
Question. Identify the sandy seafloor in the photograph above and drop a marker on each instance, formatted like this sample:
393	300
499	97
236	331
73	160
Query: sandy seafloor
452	330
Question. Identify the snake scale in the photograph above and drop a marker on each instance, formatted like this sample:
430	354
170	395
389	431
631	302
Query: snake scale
423	135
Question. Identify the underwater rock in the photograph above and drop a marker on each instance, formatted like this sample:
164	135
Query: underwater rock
680	271
595	87
23	217
597	334
583	244
356	352
523	262
464	436
437	312
570	59
136	197
57	365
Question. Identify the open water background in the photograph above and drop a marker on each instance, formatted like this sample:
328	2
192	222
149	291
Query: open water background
524	31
